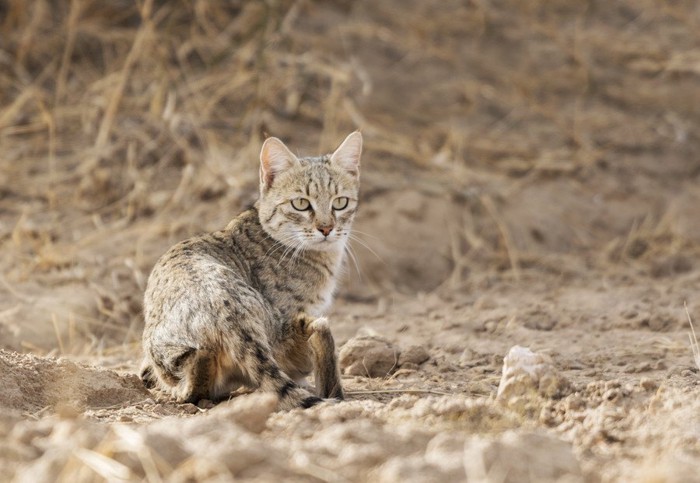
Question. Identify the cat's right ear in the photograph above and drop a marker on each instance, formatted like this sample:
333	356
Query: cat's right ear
275	158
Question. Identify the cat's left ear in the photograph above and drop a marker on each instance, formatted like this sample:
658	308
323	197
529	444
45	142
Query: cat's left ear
275	158
347	156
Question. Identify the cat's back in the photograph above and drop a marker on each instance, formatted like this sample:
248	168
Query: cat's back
200	271
225	247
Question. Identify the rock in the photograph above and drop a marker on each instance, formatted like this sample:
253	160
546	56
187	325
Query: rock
368	355
414	354
516	457
527	373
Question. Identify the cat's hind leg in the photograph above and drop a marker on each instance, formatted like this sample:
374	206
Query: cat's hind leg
184	372
147	375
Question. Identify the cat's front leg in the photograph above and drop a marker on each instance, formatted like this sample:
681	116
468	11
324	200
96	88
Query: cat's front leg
326	369
308	346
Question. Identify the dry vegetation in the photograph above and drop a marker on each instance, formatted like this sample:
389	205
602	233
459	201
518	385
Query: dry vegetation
530	177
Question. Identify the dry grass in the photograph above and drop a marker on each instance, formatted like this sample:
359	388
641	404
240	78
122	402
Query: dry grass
693	338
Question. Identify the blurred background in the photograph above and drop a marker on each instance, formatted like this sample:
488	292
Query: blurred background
505	140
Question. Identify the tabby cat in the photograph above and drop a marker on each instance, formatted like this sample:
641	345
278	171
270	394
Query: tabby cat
244	306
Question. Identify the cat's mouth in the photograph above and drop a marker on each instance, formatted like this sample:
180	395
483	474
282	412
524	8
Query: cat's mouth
326	243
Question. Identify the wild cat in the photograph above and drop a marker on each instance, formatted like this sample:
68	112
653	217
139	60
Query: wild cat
244	306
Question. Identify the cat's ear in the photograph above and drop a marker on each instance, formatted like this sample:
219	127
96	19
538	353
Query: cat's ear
347	156
275	158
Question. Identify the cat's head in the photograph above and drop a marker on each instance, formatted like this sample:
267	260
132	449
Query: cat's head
309	202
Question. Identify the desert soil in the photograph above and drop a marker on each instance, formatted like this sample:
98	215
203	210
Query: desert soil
530	180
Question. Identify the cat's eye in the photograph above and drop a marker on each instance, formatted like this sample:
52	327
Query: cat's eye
301	204
340	203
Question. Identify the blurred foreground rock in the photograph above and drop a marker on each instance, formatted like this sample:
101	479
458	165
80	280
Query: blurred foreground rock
516	457
249	411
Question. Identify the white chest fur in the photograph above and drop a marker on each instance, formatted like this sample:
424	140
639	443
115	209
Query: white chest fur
327	291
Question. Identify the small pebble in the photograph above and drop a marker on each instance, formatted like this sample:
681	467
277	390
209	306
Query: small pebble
647	384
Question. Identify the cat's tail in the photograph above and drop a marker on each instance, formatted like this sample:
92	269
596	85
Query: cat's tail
291	396
270	378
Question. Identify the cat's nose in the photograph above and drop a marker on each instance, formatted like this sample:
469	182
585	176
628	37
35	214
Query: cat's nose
326	230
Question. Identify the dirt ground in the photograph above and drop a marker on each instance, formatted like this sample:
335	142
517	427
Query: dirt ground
530	178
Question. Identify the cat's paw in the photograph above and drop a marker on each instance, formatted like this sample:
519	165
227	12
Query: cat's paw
320	325
307	326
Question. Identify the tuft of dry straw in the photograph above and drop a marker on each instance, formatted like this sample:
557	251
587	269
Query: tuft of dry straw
107	468
693	338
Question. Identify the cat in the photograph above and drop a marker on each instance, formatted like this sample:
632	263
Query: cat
244	306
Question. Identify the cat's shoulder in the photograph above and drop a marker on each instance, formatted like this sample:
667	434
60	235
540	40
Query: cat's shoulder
246	228
247	219
206	243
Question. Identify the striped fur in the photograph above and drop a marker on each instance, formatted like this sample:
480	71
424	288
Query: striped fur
243	306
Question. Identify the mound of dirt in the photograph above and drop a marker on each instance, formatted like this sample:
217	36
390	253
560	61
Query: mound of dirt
32	383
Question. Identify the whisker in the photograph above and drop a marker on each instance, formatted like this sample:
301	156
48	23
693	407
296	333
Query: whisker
299	249
275	249
287	251
289	248
279	244
350	252
359	240
366	234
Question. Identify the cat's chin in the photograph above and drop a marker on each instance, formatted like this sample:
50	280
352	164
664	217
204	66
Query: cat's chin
327	246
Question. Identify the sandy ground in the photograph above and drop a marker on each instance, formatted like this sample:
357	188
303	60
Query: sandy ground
623	405
530	179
